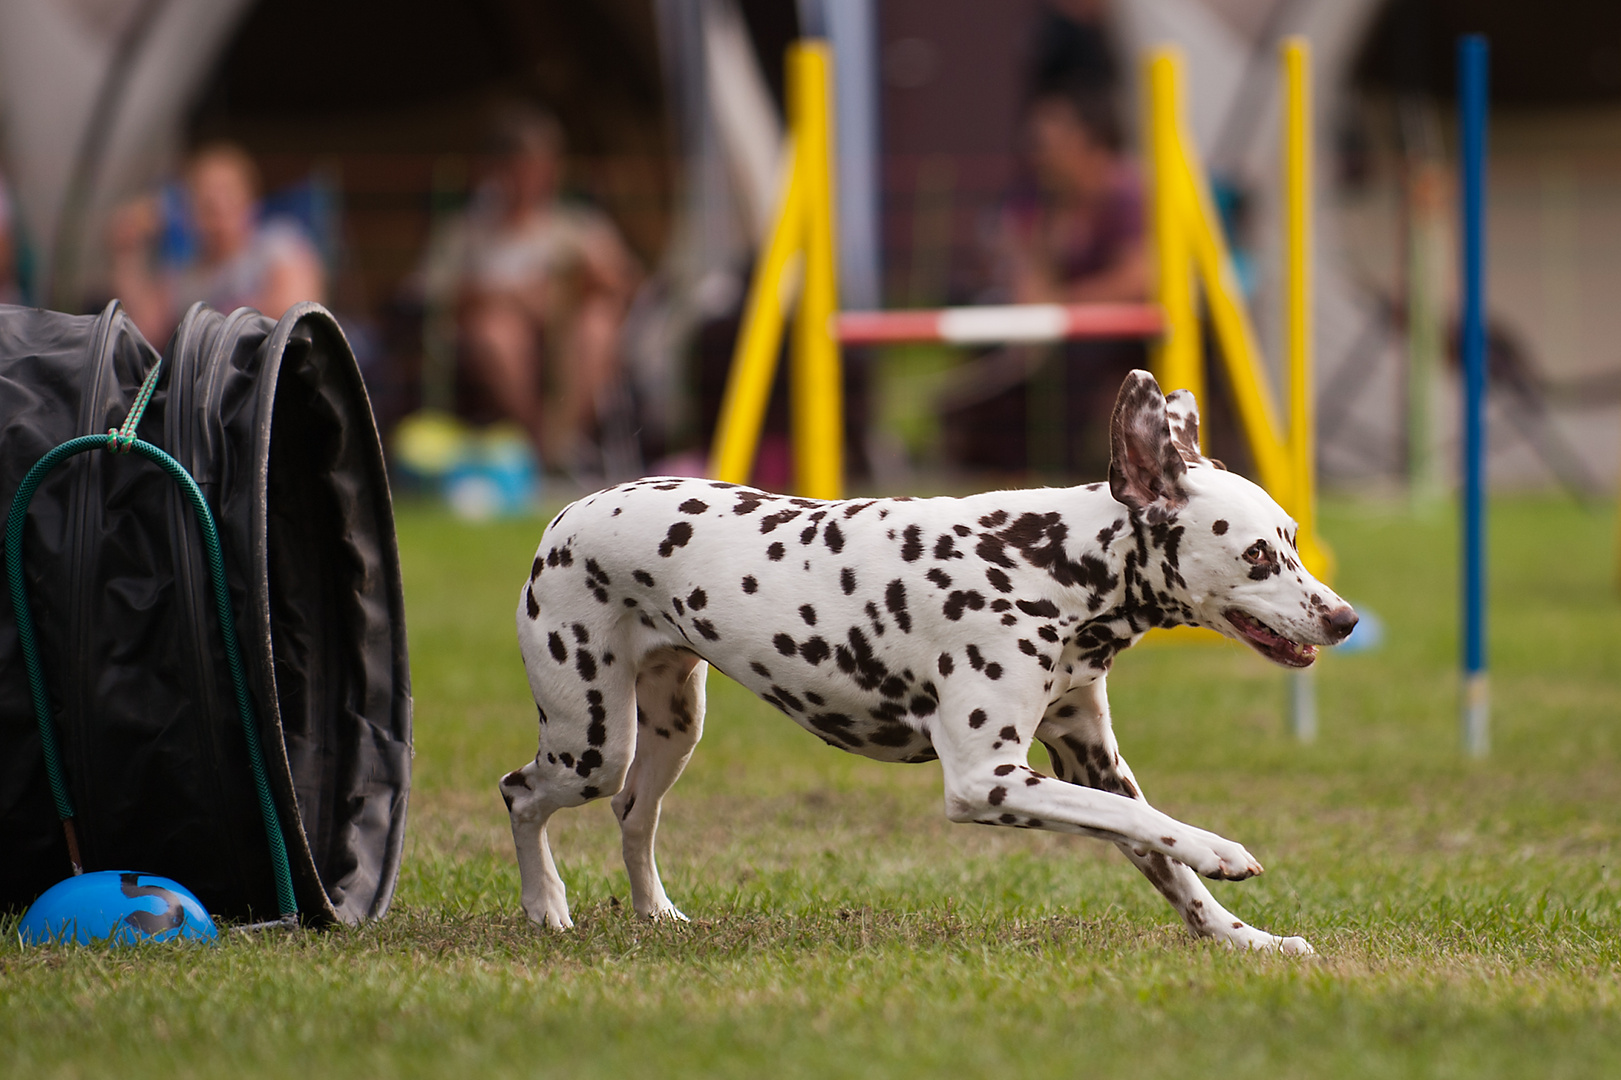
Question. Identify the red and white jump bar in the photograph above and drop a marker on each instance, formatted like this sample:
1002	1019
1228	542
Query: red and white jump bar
1005	323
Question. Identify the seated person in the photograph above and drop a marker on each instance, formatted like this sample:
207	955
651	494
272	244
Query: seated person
1072	232
1076	234
538	286
241	261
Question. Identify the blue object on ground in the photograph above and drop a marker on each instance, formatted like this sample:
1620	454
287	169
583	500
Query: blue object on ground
119	907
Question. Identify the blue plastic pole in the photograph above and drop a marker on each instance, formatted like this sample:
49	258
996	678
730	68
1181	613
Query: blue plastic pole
1473	60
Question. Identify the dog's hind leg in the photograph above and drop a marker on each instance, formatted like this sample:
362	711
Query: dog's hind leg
545	898
586	708
1079	740
669	722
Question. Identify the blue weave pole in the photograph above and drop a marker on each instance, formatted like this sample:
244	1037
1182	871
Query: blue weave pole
1473	74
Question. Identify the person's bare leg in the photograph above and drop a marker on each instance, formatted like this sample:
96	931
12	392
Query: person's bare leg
503	355
586	365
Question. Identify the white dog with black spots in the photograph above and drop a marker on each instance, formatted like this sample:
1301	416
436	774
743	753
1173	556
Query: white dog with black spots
907	630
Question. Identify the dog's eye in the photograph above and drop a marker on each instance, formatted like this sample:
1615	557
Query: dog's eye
1259	554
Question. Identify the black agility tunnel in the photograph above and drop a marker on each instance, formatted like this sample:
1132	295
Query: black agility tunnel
272	420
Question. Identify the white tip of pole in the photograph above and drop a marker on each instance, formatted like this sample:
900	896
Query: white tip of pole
1303	705
1477	742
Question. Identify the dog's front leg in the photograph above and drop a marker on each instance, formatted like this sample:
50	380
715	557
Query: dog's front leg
1080	741
983	756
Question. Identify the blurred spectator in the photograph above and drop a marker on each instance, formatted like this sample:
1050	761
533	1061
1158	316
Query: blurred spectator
1072	232
539	286
10	287
240	260
1075	234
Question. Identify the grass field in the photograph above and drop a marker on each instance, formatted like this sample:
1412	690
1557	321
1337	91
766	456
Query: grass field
1467	915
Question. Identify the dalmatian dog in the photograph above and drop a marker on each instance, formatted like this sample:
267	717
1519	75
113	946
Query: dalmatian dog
907	630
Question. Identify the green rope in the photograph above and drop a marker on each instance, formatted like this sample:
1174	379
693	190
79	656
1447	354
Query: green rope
123	441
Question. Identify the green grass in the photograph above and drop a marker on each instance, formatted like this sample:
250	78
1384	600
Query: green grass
1467	915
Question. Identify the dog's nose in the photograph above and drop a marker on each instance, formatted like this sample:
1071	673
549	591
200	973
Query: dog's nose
1340	622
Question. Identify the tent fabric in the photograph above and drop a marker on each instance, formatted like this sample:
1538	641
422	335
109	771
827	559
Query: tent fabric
272	420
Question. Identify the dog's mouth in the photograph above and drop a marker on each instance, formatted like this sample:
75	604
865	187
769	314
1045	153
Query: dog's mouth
1268	642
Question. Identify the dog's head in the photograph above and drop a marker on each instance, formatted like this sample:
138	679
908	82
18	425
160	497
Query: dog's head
1226	550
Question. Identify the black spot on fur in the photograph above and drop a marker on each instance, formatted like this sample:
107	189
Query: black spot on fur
775	552
554	642
993	550
750	585
697	599
693	506
833	536
643	577
999	581
807	613
1009	733
760	669
706	628
677	536
958	600
785	644
1041	609
977	718
788	699
814	650
997	794
531	603
1220	527
993	671
585	664
895	601
939	577
912	549
847	580
770	522
946	664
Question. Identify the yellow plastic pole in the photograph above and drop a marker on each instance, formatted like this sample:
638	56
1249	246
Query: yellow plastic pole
1240	353
1177	356
815	391
754	364
1297	141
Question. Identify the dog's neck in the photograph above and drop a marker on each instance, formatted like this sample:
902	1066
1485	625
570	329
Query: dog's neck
1126	570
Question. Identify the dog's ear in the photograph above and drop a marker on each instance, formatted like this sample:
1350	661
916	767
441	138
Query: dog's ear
1145	469
1182	413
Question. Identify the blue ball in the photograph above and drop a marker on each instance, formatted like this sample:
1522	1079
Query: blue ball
116	906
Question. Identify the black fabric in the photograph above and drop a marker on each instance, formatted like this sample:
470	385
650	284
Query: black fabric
272	420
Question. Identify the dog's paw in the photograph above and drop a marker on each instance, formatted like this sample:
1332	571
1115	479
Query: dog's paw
552	918
1294	946
1248	937
668	913
1221	859
1261	941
